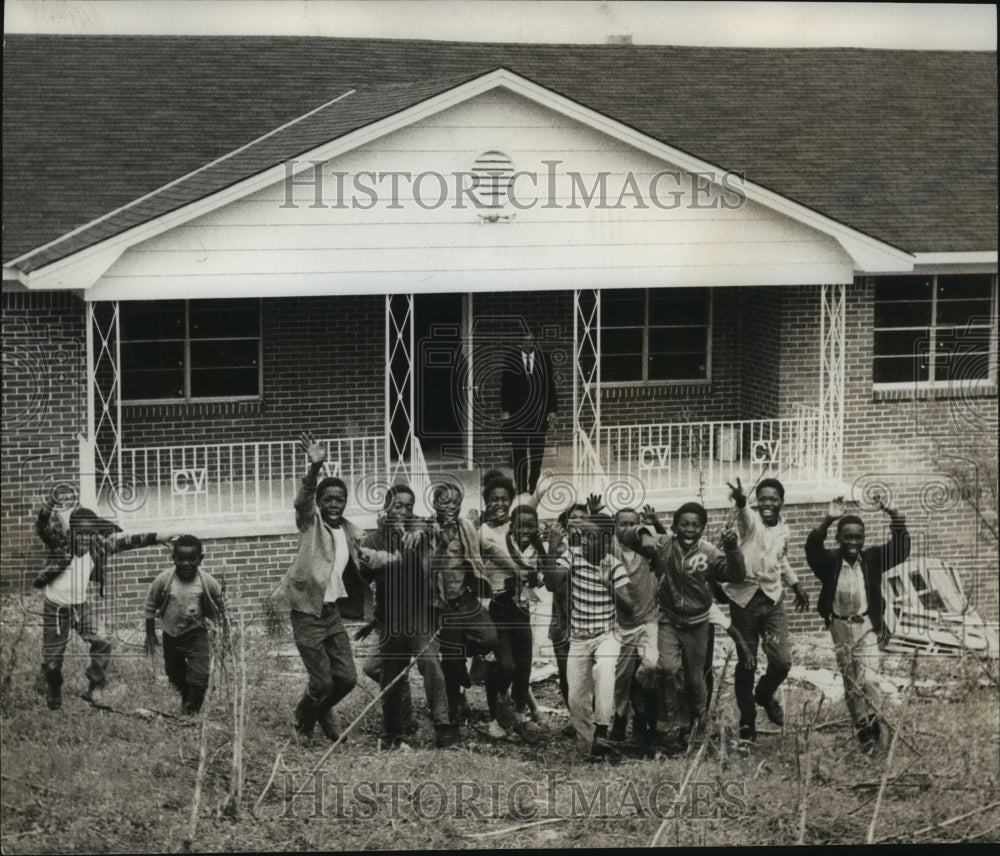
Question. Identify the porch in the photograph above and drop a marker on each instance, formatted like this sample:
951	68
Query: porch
248	487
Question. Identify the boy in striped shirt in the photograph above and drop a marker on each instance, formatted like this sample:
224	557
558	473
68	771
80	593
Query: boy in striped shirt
596	581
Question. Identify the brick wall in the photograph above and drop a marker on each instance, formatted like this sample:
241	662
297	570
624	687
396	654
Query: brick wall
44	409
933	455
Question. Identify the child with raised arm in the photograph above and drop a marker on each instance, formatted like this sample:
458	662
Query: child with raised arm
852	606
79	555
757	604
689	566
321	583
596	580
185	598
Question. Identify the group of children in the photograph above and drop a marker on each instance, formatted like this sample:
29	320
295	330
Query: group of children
634	608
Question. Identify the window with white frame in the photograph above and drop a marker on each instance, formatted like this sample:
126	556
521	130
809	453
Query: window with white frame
186	350
935	329
656	335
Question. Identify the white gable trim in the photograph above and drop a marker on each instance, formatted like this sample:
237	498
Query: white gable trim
82	269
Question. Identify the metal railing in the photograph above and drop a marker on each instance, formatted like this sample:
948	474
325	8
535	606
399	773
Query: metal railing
215	480
692	455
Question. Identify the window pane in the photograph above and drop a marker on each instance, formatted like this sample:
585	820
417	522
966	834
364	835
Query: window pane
913	313
226	354
903	288
621	341
678	306
621	368
968	286
677	367
961	312
899	370
954	364
213	383
141	384
161	319
623	307
901	343
668	340
224	318
146	356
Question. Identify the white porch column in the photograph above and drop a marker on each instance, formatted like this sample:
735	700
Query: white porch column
831	380
101	449
586	382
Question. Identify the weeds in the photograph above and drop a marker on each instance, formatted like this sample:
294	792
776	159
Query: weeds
83	780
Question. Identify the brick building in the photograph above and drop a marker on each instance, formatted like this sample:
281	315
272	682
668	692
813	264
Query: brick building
743	262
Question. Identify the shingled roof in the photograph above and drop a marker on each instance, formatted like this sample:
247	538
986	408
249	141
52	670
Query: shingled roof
900	145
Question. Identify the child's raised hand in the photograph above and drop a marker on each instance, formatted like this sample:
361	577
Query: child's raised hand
474	517
730	540
736	493
594	504
836	508
315	451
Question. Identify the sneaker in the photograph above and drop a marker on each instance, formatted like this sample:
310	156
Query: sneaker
328	725
389	742
617	734
495	731
446	735
526	728
748	730
95	695
772	707
505	710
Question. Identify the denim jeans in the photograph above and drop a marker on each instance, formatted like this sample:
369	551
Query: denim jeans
636	662
858	655
326	653
682	663
762	622
395	653
590	673
512	669
57	621
466	630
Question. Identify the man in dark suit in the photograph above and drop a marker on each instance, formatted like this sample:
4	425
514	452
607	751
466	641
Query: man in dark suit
528	407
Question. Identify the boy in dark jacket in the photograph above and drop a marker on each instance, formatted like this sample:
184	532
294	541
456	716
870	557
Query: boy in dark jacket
688	567
851	603
183	598
394	557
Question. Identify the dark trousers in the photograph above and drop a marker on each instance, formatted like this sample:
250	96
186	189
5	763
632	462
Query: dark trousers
57	621
395	653
682	664
466	630
326	653
561	650
512	669
762	622
186	659
526	452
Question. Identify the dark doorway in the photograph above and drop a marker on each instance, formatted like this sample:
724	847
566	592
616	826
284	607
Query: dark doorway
439	374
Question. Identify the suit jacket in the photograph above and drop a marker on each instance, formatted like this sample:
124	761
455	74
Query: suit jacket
528	398
875	561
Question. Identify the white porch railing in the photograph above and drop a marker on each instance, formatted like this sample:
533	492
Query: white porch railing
234	479
704	455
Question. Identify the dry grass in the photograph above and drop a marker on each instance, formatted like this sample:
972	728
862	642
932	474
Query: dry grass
84	781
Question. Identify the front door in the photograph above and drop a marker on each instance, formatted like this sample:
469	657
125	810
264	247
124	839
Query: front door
441	371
